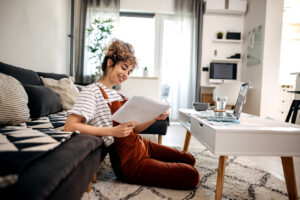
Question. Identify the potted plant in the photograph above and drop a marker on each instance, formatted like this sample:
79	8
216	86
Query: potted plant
98	35
145	71
219	35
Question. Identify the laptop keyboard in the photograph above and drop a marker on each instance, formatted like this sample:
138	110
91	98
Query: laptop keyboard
229	115
221	114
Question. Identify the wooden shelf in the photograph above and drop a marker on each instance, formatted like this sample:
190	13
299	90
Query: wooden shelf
295	73
209	86
227	12
228	60
228	41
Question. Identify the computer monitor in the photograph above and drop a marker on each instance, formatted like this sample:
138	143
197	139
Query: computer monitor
222	71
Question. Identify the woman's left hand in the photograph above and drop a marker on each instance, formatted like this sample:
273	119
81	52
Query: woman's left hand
163	116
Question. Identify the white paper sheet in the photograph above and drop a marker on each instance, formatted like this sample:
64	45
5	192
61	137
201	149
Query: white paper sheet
139	109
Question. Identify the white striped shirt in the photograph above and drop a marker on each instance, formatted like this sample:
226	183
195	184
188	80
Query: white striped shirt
91	105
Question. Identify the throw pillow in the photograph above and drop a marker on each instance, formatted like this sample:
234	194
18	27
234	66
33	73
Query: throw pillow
13	101
25	76
65	89
53	75
42	101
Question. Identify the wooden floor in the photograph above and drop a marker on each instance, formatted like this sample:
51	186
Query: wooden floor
176	135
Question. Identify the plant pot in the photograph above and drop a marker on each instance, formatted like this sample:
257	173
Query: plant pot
219	36
145	73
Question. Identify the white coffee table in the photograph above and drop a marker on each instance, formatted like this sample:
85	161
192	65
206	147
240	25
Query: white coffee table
254	136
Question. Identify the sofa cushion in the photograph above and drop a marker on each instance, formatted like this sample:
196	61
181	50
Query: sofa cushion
13	101
65	89
25	76
52	75
49	172
42	101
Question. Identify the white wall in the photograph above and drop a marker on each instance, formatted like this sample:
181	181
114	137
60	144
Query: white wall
271	59
254	17
263	97
33	34
156	6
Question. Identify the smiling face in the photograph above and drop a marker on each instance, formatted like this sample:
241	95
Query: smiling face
118	73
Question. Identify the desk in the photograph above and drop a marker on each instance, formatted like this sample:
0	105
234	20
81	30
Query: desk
254	136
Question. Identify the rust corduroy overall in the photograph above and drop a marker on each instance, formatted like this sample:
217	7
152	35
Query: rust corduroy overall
137	160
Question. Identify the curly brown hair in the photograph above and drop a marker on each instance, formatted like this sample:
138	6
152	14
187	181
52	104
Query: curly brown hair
119	51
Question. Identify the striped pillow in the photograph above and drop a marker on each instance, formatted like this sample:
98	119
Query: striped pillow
13	101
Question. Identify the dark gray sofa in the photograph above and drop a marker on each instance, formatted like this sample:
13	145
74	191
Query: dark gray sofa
62	173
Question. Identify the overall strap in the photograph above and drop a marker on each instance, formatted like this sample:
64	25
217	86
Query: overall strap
105	97
124	98
104	94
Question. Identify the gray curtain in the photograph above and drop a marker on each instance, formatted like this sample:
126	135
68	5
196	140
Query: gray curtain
85	11
192	10
79	35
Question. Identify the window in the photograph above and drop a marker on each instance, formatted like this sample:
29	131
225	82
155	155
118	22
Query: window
165	45
290	43
140	32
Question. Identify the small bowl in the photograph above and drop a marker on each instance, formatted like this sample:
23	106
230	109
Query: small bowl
200	106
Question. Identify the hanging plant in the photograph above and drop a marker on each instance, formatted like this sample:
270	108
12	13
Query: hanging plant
98	35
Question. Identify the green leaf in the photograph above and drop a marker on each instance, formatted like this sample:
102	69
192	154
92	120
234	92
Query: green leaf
98	34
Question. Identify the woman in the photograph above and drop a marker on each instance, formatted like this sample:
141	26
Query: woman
134	159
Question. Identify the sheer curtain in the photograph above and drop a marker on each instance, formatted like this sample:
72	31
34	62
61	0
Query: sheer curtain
180	55
93	9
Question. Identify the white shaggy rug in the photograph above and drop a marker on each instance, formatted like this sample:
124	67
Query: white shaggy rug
242	181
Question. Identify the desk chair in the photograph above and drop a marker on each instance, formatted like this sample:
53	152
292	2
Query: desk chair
159	127
293	109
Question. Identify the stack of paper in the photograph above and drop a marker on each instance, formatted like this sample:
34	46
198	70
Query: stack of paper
139	109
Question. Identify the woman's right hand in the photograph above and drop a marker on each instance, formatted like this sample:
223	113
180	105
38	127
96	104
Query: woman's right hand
123	130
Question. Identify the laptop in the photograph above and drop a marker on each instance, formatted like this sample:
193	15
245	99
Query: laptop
228	116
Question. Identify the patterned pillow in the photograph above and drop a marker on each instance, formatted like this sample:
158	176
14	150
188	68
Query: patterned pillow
13	101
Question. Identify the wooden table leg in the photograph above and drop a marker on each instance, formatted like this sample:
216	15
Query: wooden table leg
94	179
159	140
89	187
289	174
220	178
187	141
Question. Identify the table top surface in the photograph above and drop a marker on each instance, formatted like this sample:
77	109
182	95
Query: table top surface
247	123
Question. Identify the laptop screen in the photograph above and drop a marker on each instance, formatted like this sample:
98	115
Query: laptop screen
241	100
